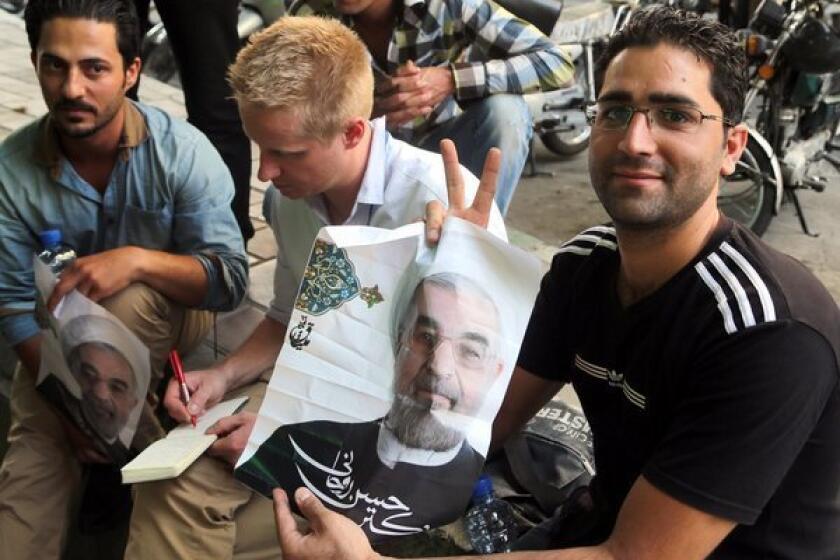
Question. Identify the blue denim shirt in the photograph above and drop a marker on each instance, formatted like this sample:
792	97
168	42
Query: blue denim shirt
169	191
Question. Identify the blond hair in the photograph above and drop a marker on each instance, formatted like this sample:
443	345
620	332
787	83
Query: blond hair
314	67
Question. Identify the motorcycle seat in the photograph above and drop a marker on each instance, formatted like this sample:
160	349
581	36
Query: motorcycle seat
541	13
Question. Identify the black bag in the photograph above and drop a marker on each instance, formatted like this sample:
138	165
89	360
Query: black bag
547	465
552	456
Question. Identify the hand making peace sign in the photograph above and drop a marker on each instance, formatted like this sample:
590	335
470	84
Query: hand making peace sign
479	211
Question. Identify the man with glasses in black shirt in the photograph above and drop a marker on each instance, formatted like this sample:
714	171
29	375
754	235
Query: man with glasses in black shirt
706	362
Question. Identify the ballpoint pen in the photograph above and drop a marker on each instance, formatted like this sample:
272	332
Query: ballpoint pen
178	368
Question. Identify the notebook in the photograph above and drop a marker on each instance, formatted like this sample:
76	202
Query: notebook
170	456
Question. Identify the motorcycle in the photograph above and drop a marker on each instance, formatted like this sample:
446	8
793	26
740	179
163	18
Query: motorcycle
581	28
792	108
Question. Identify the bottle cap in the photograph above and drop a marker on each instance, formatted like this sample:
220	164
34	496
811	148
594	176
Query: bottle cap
483	488
50	238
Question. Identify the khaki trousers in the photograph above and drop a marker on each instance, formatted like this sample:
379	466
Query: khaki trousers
40	473
204	513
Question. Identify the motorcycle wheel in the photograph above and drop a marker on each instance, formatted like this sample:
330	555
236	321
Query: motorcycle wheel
748	196
567	144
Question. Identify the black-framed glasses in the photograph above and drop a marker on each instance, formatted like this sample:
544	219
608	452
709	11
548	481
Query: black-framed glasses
675	118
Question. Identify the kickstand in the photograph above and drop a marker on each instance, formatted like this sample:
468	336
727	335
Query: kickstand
800	214
532	164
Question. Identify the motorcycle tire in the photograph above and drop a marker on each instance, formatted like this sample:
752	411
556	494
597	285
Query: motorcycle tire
567	144
748	196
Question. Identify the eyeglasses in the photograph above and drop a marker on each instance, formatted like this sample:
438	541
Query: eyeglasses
469	351
672	118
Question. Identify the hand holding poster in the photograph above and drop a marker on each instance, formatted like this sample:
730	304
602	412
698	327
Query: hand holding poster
93	370
396	362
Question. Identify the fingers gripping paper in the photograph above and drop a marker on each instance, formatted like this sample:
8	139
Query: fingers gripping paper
93	369
396	360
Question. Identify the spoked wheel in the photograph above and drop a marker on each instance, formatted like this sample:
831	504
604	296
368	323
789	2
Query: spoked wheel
748	196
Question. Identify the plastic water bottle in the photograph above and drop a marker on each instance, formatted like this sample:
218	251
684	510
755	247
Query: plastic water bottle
489	521
56	254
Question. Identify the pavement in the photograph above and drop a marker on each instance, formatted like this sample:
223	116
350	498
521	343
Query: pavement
545	211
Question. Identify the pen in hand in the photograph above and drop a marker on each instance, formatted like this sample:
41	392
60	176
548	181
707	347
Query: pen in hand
178	368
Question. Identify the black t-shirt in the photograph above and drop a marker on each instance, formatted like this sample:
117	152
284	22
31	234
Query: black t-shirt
339	462
721	388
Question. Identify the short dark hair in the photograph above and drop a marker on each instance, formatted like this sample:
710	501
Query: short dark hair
709	40
121	13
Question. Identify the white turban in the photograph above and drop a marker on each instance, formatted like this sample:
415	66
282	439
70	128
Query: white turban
104	330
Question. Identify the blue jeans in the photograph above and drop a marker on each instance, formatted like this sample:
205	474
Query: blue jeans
500	120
